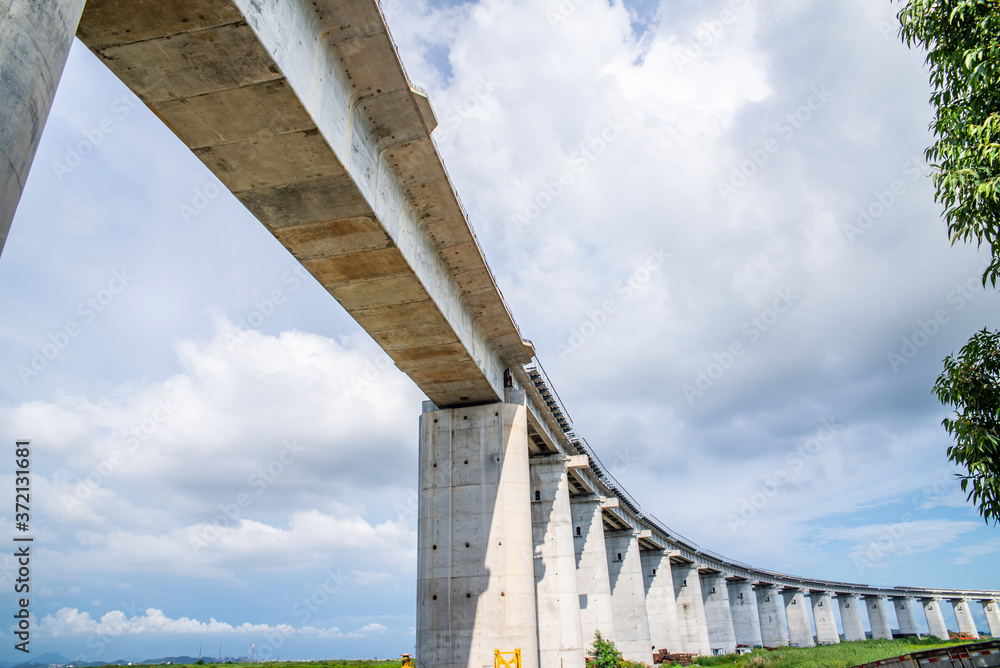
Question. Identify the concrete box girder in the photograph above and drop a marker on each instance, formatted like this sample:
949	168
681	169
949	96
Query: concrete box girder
324	140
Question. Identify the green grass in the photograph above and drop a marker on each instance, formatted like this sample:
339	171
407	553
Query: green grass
332	663
843	655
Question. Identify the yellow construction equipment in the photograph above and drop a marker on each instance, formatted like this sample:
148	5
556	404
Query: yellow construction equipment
512	660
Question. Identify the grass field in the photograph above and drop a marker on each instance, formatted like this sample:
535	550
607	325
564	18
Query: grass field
843	655
332	663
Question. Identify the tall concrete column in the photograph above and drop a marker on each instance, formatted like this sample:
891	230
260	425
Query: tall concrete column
661	604
557	597
476	581
905	616
746	620
592	576
935	620
628	596
718	615
690	609
992	612
963	613
35	38
878	617
797	613
850	617
826	623
773	628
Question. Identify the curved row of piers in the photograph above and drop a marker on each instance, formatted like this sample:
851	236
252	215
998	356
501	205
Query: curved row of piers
526	541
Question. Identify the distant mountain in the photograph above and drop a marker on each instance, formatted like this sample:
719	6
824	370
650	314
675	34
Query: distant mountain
173	659
46	659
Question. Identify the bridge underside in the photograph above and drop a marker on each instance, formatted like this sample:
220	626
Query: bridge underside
304	112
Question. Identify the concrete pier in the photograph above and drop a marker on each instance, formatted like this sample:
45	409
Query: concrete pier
992	612
850	617
476	581
826	622
690	608
905	616
592	577
628	596
718	614
661	604
560	639
963	613
746	620
878	617
797	613
35	38
935	620
773	629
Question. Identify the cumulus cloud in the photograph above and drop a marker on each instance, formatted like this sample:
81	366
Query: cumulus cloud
970	553
72	622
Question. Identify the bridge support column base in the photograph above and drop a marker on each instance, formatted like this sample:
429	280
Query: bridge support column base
799	629
963	614
878	618
560	639
773	628
850	617
992	612
935	620
475	573
826	623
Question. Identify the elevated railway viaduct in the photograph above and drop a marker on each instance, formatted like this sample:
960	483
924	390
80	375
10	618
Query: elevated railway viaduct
303	110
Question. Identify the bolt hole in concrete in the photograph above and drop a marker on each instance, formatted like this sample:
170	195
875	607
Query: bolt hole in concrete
434	597
434	547
466	461
465	417
468	595
435	465
467	545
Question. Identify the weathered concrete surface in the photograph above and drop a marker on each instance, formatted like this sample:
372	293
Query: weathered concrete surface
592	576
560	640
302	109
661	604
35	38
878	617
823	617
628	596
797	613
475	576
935	619
905	617
992	612
850	617
690	609
746	619
718	616
963	613
771	606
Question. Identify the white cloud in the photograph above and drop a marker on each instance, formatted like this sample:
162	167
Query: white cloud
970	553
72	622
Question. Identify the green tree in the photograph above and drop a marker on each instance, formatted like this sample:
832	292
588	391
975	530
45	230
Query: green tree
962	39
971	384
604	652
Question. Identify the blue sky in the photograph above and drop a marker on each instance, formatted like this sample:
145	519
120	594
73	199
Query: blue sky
219	441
